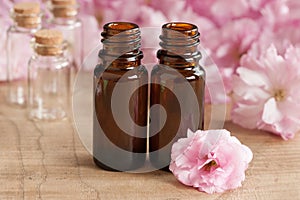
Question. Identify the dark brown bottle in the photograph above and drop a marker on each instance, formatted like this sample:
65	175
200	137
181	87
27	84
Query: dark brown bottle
177	84
121	93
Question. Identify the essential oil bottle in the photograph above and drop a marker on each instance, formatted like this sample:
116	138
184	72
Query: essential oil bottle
27	20
177	85
49	78
120	101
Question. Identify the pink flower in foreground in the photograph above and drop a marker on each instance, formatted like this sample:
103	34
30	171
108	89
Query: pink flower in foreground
266	92
212	161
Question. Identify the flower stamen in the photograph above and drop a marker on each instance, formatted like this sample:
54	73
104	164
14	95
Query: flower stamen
209	165
279	95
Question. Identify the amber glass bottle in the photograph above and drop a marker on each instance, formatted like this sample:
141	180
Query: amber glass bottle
115	147
177	84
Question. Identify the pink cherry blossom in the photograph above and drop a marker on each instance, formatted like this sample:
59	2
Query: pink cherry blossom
131	10
282	39
266	92
220	12
212	161
275	12
170	8
229	43
279	13
176	10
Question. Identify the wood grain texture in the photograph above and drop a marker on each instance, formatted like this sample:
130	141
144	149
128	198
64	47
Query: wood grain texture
48	161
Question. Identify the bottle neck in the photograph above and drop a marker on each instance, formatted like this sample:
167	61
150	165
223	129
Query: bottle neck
49	58
54	62
22	29
179	45
50	51
64	21
121	45
178	61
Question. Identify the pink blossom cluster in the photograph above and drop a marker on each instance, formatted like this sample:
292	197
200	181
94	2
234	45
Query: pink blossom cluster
244	23
255	44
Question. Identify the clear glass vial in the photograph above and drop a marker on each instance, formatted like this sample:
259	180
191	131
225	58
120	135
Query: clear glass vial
177	84
27	20
64	18
117	147
49	78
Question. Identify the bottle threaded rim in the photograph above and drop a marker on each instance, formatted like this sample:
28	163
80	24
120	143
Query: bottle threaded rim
120	38
179	44
179	34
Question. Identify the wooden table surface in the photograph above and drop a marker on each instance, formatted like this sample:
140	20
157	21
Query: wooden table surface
48	161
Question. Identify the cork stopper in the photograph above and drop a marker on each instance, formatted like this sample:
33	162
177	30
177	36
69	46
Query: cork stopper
27	8
27	14
64	2
48	37
48	42
64	8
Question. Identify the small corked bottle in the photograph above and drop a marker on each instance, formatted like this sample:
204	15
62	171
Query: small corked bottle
49	78
65	18
120	102
177	84
27	20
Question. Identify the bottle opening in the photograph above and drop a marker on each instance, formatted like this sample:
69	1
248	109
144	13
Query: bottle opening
186	29
120	29
121	26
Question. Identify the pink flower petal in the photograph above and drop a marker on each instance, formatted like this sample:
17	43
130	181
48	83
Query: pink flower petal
271	113
243	91
251	77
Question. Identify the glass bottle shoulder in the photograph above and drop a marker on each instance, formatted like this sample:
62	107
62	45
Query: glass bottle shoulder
53	62
189	73
130	73
66	24
13	29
